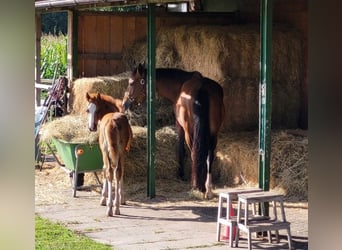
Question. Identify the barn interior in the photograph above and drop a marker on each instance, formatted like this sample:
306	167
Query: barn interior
220	39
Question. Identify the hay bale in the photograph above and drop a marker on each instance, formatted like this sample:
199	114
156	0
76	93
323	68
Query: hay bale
230	55
241	100
114	86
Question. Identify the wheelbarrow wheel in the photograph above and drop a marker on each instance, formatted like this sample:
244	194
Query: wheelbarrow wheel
80	179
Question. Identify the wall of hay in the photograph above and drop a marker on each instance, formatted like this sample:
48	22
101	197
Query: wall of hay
230	55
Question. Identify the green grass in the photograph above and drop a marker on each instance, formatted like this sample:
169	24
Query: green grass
50	235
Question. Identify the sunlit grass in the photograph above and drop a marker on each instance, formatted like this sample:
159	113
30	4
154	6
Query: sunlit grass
50	235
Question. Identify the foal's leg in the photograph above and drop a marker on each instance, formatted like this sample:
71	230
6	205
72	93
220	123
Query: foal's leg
121	186
117	181
104	189
110	196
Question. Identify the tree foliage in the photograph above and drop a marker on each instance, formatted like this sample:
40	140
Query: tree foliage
55	23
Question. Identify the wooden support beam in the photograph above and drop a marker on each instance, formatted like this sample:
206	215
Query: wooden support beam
37	77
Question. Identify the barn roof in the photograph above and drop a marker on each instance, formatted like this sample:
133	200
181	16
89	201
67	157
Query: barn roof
51	5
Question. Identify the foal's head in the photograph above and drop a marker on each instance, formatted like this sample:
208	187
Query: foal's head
93	110
136	90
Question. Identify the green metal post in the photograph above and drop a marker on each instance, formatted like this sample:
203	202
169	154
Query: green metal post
265	93
151	76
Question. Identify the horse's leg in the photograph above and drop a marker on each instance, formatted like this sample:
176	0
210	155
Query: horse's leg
110	196
117	180
181	151
104	189
208	183
210	159
121	186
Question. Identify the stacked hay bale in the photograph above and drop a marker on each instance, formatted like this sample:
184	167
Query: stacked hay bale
115	86
230	55
111	85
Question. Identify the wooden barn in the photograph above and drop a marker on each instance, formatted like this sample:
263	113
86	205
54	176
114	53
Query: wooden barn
226	40
99	43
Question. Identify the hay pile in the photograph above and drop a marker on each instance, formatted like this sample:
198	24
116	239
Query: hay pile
237	161
70	128
73	128
236	157
230	55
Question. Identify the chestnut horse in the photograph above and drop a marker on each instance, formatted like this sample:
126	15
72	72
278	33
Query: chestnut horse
115	137
199	110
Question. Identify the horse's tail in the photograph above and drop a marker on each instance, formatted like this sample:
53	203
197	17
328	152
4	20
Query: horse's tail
201	134
107	141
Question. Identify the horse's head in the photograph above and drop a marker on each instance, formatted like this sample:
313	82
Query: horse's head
92	110
136	90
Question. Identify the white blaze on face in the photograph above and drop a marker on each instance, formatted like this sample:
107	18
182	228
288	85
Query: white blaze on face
91	110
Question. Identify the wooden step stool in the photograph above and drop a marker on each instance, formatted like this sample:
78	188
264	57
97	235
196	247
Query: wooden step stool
228	219
250	224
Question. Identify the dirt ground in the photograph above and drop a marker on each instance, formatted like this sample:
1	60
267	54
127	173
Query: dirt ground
175	219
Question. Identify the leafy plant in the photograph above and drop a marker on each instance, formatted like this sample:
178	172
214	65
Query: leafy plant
53	54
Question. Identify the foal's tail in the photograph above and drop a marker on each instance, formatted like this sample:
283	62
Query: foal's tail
200	143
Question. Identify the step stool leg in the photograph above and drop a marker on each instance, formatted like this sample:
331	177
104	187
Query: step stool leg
277	235
269	233
289	238
231	235
249	240
237	236
218	227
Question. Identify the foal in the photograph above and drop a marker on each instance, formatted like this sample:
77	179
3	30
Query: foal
115	137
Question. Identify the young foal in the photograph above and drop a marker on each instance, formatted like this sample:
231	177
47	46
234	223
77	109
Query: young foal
115	137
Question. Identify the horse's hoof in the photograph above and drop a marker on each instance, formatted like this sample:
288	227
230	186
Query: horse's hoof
103	202
117	212
110	212
208	196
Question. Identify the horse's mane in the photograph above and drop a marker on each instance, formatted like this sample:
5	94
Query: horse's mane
114	102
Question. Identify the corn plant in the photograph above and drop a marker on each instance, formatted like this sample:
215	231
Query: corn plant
53	54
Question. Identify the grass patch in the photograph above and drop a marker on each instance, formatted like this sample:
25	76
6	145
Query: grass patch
50	235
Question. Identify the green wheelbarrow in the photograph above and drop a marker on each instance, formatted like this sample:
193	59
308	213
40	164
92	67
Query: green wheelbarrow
79	158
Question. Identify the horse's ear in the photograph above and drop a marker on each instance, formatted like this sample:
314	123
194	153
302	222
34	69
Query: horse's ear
134	65
87	96
98	96
141	69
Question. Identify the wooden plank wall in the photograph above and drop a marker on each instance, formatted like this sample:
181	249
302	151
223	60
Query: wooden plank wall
103	36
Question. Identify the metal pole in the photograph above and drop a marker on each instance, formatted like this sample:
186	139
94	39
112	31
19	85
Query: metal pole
151	141
265	93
